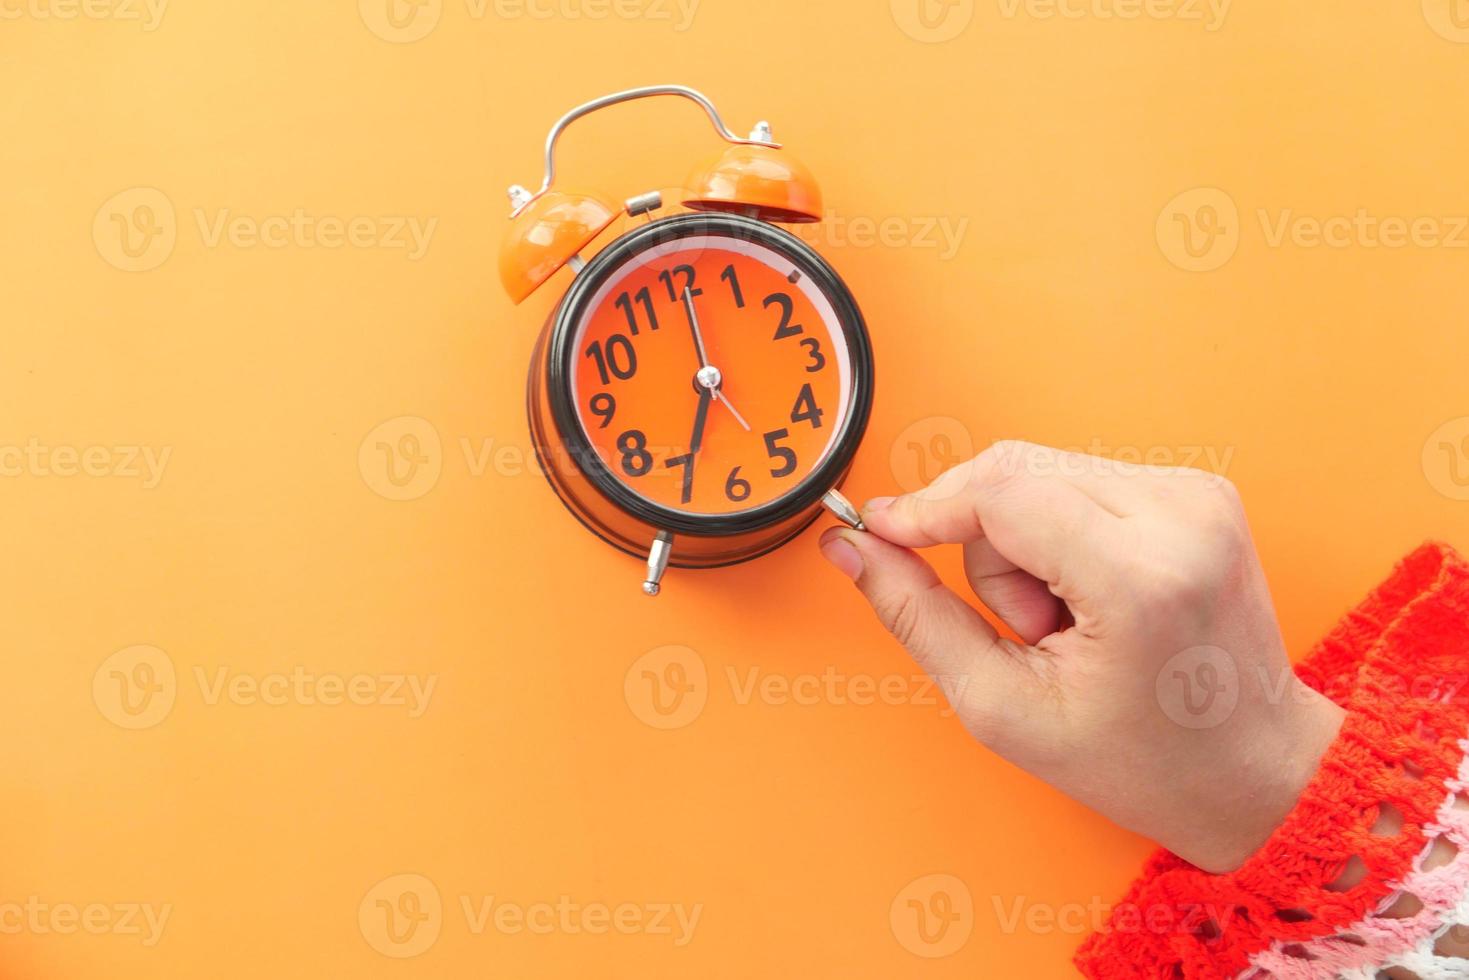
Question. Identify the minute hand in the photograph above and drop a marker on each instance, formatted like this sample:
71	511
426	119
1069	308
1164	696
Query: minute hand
688	303
709	377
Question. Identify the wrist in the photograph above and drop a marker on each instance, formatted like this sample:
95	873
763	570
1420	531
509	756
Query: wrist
1274	764
1353	846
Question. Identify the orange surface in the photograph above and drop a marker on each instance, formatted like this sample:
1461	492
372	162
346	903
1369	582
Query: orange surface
265	455
780	385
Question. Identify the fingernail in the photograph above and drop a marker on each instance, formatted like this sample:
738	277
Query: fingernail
836	549
878	503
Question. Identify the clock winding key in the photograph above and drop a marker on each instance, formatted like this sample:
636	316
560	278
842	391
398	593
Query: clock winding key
842	509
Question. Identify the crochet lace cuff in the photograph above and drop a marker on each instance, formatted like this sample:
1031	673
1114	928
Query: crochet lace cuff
1370	871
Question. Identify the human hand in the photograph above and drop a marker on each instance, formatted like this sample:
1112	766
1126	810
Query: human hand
1129	587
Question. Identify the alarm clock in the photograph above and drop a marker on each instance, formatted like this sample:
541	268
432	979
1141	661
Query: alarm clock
699	392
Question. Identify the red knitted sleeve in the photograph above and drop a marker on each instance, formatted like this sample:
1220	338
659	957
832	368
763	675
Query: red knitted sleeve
1371	869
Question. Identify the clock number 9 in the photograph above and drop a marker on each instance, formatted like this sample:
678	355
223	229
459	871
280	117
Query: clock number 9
619	360
603	406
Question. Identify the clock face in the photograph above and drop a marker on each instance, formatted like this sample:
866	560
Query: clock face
711	375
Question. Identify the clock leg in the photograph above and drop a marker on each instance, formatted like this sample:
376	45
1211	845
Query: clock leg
658	556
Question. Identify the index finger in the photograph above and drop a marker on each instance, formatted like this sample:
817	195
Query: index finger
1035	518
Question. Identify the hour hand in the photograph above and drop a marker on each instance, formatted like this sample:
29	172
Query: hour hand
701	419
696	442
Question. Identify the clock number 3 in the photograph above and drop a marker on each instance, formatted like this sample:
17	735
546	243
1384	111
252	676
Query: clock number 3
813	351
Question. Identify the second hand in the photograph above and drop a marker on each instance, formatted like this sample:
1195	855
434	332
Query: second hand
724	400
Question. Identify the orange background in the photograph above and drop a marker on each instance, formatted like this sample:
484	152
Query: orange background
270	545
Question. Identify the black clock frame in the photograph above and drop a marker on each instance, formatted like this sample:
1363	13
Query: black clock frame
561	358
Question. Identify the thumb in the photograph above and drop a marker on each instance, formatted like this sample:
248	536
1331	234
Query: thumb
945	635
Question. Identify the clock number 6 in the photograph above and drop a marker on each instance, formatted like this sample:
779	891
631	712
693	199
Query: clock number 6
775	450
735	488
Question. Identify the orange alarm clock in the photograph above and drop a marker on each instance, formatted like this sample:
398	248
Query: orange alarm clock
699	393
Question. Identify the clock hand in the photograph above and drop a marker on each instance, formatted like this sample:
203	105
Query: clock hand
696	442
701	418
724	400
708	377
688	302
